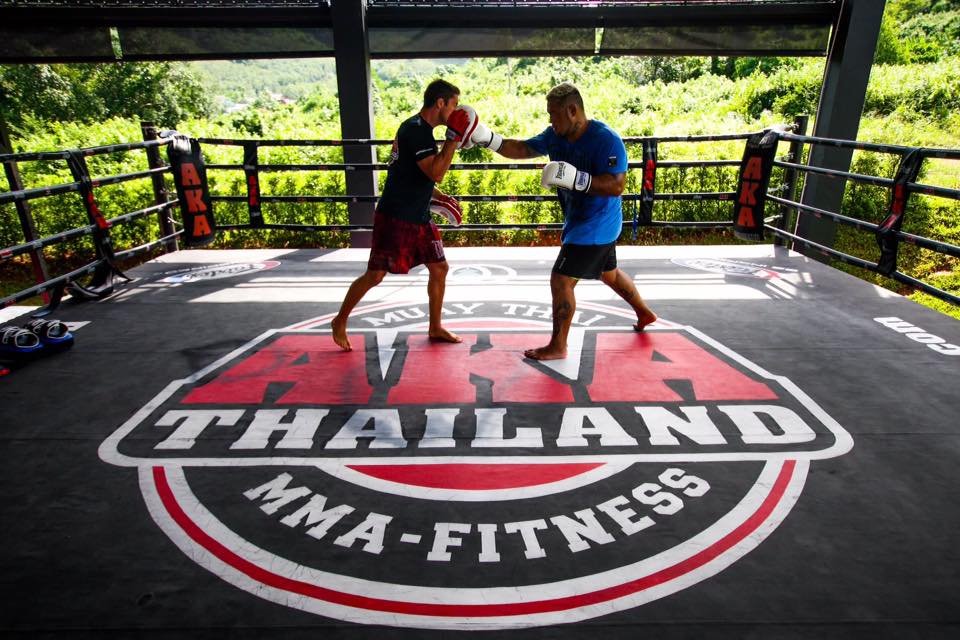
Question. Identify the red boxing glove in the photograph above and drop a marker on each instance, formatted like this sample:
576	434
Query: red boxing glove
461	124
448	207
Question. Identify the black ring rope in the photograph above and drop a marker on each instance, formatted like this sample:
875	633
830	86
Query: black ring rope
145	248
930	190
51	284
144	212
459	166
530	226
920	241
85	151
39	192
79	232
47	241
722	196
834	173
381	142
85	182
853	222
864	264
846	144
930	152
127	177
946	296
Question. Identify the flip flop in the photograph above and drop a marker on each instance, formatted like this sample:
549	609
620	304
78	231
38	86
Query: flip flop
50	331
17	347
19	342
53	335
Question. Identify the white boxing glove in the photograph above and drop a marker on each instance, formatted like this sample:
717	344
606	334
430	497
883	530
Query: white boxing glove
563	175
483	137
448	207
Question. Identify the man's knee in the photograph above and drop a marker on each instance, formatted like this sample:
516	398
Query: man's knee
374	277
438	269
560	282
609	278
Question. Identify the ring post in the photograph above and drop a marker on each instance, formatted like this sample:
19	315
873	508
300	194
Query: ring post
888	233
40	272
648	186
251	172
790	177
160	193
101	283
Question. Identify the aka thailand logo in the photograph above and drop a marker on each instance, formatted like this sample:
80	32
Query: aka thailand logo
434	485
726	267
217	271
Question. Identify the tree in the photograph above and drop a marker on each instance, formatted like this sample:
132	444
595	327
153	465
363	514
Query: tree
165	93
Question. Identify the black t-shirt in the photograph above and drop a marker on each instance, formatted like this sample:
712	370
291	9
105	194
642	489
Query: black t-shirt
407	192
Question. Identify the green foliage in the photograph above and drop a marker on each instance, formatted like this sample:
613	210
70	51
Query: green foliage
736	68
55	214
919	31
240	80
789	91
915	91
164	93
248	122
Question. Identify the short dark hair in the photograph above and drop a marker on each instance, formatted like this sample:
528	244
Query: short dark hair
439	89
565	93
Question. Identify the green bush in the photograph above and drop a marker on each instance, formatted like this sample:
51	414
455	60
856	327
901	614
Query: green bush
915	91
787	92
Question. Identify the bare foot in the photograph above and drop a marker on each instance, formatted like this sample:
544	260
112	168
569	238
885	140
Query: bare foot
442	335
642	323
340	334
548	352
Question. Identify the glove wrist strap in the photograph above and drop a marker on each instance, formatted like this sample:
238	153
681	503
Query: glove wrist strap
582	181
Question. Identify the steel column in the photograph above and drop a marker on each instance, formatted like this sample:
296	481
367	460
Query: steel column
356	107
849	59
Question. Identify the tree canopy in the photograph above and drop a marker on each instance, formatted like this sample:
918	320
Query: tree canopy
165	93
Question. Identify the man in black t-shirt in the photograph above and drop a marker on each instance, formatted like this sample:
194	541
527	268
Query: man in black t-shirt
404	235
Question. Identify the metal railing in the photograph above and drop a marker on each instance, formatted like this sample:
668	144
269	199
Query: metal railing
888	232
255	198
103	264
642	204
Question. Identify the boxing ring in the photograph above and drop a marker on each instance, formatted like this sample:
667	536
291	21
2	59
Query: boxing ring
776	456
782	462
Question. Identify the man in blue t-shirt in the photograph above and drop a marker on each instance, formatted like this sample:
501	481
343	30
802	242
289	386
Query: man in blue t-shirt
587	167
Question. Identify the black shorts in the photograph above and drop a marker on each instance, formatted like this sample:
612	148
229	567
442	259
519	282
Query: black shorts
586	261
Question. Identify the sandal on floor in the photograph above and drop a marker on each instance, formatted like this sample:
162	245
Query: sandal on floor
50	331
17	341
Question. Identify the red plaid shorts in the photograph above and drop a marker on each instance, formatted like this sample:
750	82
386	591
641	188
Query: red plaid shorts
398	246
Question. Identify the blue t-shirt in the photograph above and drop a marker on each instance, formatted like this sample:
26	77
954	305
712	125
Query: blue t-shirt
587	219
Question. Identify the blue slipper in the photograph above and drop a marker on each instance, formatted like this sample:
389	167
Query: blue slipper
17	341
50	332
18	346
